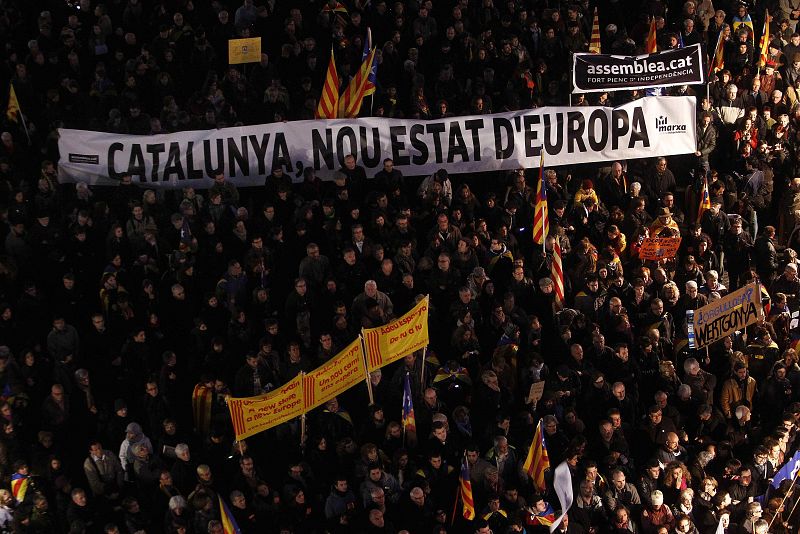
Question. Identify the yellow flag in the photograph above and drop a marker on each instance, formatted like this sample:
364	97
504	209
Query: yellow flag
13	111
244	50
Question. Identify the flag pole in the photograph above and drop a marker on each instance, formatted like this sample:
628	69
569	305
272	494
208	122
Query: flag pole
544	244
788	494
303	431
422	374
369	389
403	413
24	126
545	222
455	505
788	517
366	368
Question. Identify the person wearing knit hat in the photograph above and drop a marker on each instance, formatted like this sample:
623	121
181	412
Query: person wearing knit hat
585	192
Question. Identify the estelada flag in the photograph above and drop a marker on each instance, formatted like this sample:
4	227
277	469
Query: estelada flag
538	460
369	87
545	518
409	420
351	99
763	44
19	486
467	502
541	220
705	200
229	525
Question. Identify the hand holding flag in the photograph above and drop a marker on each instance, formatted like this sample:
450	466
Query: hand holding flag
538	460
467	502
541	220
409	421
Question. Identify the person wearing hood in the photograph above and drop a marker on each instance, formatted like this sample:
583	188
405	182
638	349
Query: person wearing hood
133	436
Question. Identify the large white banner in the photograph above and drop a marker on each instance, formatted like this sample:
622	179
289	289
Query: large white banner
654	126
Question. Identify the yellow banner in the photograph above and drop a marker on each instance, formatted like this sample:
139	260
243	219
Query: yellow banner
402	336
255	414
244	50
335	376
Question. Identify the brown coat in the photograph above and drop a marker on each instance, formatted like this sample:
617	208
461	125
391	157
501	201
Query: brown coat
731	395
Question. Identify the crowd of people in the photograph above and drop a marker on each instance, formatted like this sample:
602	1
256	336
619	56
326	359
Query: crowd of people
129	315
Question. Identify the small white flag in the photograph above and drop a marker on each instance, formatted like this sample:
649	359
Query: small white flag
562	484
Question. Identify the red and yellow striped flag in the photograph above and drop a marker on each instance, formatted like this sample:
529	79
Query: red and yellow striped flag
557	274
336	7
705	201
537	461
651	43
594	43
329	99
467	502
19	486
718	61
350	101
763	45
541	221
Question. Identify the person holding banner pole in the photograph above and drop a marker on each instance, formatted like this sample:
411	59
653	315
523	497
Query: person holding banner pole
788	494
791	513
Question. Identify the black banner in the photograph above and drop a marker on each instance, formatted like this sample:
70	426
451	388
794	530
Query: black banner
594	73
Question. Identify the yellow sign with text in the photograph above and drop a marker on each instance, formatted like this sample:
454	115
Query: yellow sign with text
244	50
335	376
252	415
395	340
